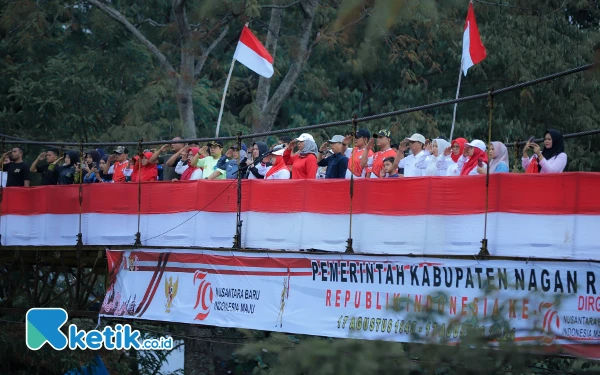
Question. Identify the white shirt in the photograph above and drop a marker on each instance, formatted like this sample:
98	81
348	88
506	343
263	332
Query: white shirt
4	178
197	174
180	167
282	174
409	164
262	170
461	163
445	165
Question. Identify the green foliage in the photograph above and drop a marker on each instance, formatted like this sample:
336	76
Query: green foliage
73	73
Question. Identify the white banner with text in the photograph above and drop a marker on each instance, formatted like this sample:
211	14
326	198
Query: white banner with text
370	297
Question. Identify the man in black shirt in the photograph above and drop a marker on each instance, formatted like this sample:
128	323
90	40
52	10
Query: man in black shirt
18	170
169	161
48	171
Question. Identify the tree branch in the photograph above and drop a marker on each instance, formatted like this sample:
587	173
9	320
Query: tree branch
151	22
264	84
297	63
280	6
117	16
181	17
207	51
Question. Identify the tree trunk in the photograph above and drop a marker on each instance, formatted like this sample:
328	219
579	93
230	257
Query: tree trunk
186	108
269	111
185	81
198	358
264	84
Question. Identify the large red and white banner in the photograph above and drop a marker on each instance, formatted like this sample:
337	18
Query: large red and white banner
549	216
371	297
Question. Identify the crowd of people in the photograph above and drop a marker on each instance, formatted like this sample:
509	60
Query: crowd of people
298	158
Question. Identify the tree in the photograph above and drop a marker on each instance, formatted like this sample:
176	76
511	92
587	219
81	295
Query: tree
192	58
268	108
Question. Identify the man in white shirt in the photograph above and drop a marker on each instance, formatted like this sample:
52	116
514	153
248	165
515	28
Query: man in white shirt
417	144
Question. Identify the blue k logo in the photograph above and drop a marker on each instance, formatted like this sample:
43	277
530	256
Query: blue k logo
43	326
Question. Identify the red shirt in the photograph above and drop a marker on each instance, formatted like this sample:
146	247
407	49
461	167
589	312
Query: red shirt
378	158
118	175
303	166
354	162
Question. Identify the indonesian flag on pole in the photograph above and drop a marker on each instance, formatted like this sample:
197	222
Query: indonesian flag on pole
473	50
253	54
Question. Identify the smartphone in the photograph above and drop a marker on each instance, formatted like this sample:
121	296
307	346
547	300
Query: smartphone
531	138
480	163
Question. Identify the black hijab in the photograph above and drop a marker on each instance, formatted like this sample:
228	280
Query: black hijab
95	155
66	173
262	148
558	145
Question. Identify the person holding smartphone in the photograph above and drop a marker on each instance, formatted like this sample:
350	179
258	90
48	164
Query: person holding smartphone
91	161
474	157
552	159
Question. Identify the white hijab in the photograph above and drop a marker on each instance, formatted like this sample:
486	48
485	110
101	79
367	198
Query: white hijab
431	167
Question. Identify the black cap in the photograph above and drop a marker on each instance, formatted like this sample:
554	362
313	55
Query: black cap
383	133
363	133
216	143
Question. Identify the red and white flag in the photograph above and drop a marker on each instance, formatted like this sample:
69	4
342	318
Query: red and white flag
473	50
253	54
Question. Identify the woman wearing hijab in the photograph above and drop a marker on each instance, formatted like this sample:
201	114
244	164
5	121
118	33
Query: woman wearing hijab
449	161
96	173
279	170
69	171
147	171
190	173
553	158
499	158
260	163
304	163
91	161
475	157
430	163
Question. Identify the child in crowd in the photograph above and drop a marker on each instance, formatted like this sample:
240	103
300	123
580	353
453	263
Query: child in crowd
388	170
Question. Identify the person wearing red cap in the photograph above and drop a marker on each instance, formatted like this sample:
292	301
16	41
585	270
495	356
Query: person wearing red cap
145	171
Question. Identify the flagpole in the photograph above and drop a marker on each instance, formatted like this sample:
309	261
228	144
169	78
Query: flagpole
224	95
456	104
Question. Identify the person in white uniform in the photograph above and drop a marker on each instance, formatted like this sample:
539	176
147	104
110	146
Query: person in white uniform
417	144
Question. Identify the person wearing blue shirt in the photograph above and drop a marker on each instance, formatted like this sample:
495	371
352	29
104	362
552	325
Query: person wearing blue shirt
337	163
229	161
